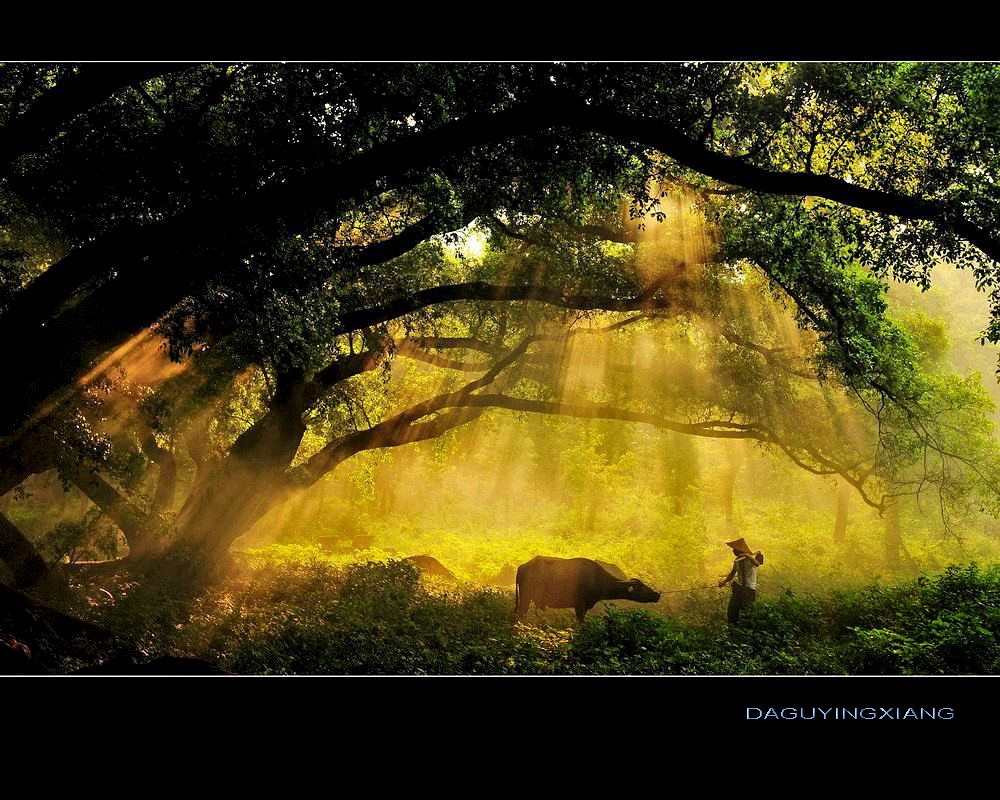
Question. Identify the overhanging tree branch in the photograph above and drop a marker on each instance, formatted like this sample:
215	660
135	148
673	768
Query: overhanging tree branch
188	249
90	85
498	293
737	171
117	507
712	429
409	349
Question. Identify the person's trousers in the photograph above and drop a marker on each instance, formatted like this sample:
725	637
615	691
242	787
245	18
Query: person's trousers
740	600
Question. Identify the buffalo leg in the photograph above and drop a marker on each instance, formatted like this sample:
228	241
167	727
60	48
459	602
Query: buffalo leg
581	612
523	604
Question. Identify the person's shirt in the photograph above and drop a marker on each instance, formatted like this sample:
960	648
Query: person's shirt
746	572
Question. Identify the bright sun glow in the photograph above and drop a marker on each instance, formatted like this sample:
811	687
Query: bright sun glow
472	244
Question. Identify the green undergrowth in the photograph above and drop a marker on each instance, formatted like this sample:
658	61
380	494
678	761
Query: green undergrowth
296	610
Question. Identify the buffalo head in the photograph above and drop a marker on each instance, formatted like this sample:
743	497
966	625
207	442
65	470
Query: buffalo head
640	592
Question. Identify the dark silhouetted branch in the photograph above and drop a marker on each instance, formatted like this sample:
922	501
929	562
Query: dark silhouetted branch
90	85
19	554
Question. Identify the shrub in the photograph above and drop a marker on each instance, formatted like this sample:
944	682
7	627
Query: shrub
295	610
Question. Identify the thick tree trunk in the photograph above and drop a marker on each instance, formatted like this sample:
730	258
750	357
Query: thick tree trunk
254	478
28	455
843	506
230	497
224	506
893	539
166	480
20	555
166	483
130	521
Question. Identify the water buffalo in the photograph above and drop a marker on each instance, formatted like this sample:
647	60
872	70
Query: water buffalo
577	583
614	569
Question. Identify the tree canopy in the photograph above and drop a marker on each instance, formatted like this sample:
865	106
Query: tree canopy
339	258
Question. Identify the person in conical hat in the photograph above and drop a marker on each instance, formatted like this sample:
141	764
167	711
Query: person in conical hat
743	577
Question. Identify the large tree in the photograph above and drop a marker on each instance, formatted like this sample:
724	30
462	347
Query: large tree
275	219
284	398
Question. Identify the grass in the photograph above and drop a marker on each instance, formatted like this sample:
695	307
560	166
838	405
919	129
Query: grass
295	610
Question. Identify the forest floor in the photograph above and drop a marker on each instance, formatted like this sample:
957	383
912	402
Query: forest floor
294	610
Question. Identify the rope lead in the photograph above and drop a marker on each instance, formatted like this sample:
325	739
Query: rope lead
693	588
